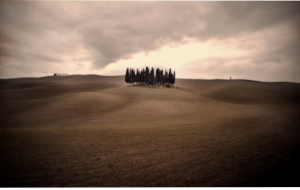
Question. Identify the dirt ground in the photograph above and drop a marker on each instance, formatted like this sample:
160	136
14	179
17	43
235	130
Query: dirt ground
96	131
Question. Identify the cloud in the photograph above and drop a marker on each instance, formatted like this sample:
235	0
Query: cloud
93	36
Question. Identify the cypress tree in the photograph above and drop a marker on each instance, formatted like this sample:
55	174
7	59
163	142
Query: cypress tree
130	74
174	78
170	76
127	76
166	77
152	77
133	76
147	76
157	77
162	81
137	76
143	76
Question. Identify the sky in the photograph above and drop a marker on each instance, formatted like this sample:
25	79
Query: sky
197	39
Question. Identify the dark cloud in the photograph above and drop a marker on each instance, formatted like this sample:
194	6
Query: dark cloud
110	31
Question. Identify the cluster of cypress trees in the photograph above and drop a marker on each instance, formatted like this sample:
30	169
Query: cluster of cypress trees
60	74
146	77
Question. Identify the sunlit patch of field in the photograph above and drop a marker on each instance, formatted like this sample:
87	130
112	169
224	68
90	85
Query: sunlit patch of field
98	131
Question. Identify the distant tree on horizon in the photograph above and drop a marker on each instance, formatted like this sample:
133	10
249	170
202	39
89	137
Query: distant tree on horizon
152	77
127	76
143	76
170	77
147	76
132	76
166	77
157	77
162	80
173	79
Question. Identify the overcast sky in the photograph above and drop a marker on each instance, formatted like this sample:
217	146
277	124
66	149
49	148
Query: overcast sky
203	40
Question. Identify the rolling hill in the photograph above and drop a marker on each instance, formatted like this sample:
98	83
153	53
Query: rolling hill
96	131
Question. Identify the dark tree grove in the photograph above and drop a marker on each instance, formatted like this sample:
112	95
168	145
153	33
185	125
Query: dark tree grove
149	77
60	74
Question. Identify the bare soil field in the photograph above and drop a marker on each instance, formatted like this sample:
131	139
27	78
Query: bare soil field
96	131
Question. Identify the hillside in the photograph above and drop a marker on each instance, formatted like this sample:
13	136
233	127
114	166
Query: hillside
90	130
